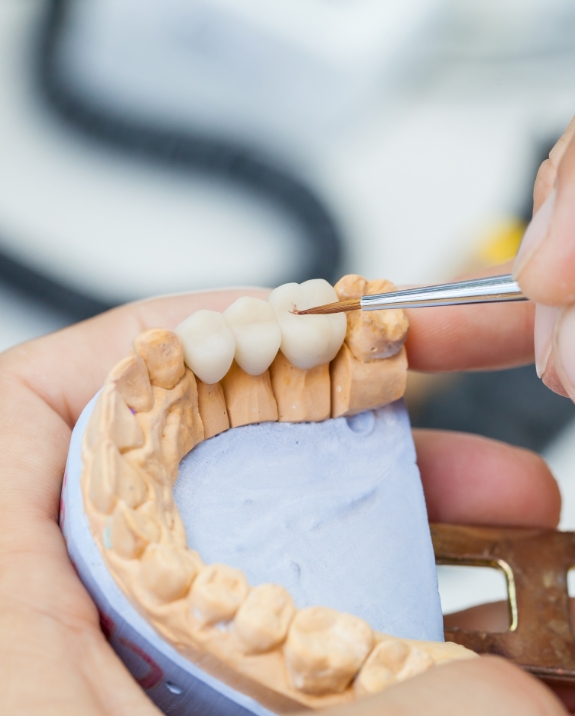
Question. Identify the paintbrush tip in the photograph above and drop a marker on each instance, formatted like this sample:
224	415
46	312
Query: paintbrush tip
340	307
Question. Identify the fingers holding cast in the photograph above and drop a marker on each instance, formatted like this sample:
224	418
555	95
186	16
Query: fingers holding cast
463	483
65	369
554	346
473	687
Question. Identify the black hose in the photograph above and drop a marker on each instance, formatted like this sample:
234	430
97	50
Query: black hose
185	150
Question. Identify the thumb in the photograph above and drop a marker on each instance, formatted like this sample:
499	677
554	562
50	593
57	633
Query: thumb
545	263
473	687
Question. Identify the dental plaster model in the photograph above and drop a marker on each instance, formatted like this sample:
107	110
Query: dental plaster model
255	365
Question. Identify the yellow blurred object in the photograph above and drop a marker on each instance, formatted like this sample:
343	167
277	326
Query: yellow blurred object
501	241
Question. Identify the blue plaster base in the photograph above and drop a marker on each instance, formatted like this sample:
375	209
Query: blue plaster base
333	511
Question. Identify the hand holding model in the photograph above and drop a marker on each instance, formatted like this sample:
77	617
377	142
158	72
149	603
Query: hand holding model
53	656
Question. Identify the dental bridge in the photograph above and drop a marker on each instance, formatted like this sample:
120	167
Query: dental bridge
254	363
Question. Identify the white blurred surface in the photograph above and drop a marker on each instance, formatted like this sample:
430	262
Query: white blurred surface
286	74
560	457
411	180
111	225
463	587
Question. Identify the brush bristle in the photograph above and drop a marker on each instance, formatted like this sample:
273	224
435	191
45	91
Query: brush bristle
353	304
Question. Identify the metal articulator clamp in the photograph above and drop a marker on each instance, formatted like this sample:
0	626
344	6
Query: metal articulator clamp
540	638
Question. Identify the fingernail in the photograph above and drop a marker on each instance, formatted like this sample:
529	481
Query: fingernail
534	234
545	317
564	338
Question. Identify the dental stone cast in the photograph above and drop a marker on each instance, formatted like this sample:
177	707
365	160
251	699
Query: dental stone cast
209	345
150	414
213	409
315	657
256	332
308	341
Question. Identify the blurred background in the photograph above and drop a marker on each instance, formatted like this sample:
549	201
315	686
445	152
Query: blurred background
158	146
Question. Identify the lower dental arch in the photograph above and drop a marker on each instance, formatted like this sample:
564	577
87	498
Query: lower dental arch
152	411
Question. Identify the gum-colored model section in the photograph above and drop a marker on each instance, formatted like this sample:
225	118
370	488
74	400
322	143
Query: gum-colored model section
213	411
163	354
372	335
301	395
130	531
358	386
150	413
115	479
113	419
133	383
173	426
249	398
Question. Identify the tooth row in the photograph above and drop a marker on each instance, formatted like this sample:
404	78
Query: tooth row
252	331
152	411
369	370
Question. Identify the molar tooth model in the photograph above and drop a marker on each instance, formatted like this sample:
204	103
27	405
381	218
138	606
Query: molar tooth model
243	504
308	343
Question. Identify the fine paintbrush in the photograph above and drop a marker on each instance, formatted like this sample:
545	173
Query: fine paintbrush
480	290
